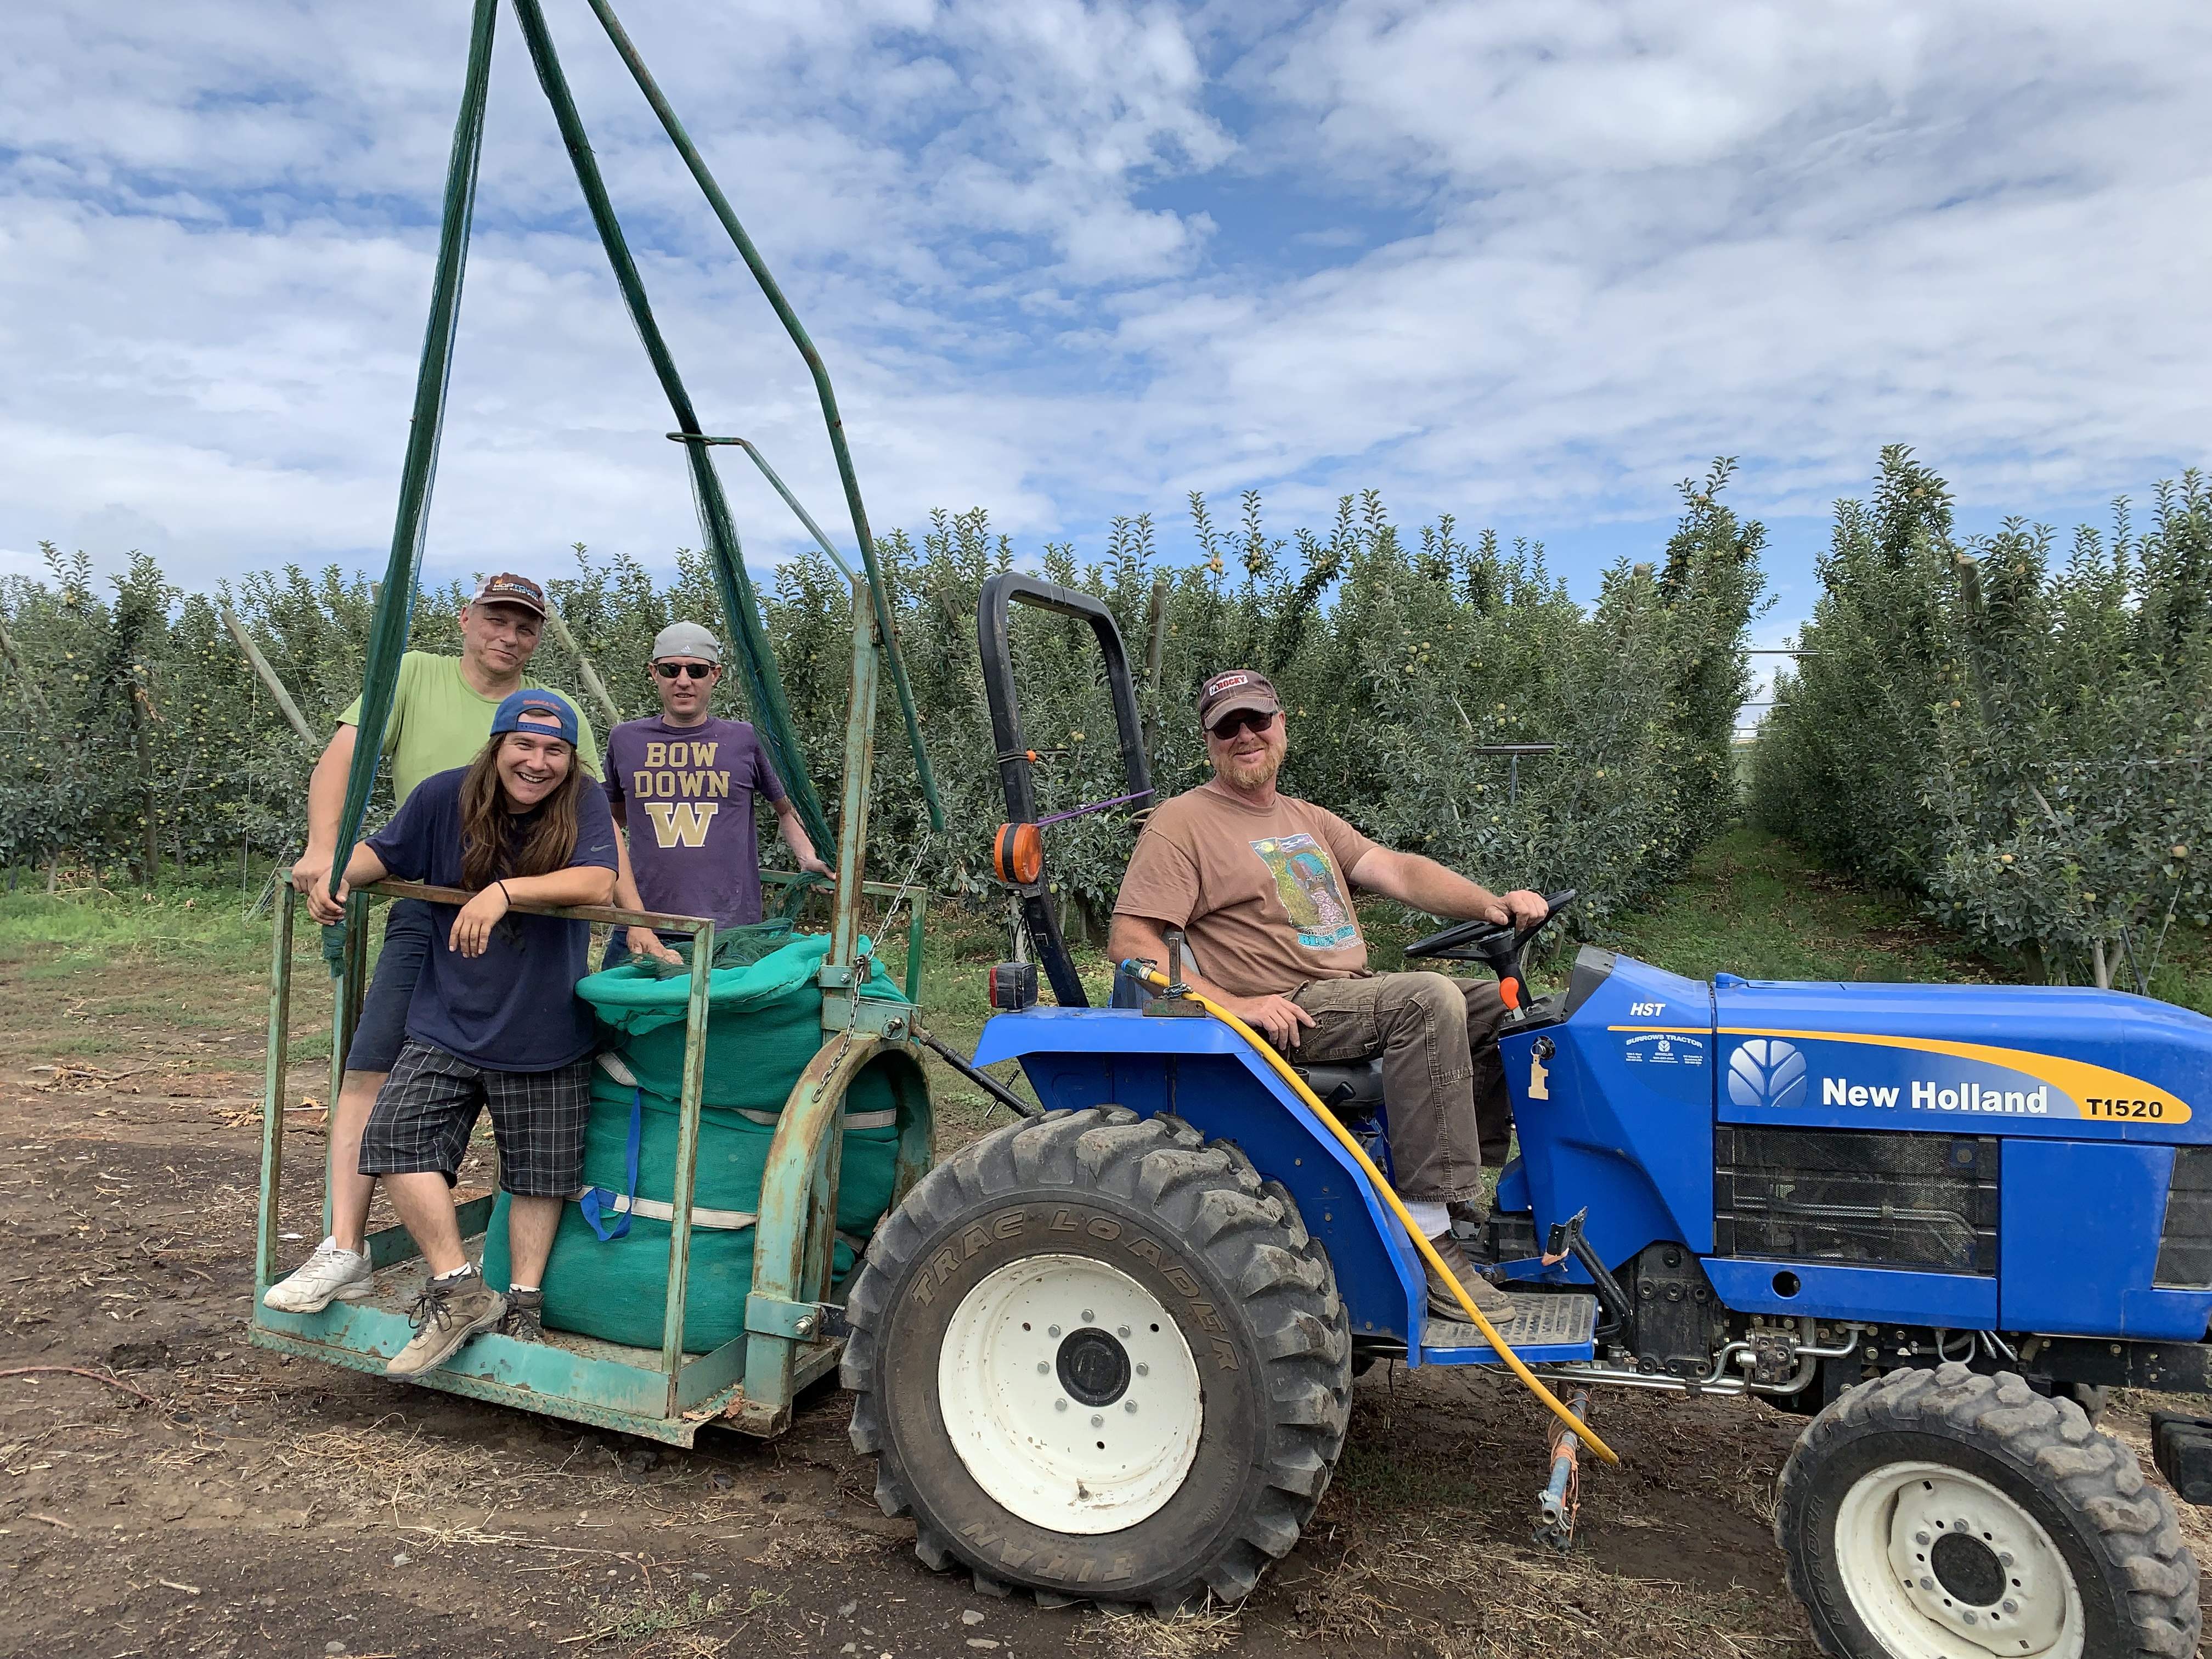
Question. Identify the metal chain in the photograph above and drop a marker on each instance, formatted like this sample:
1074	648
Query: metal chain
906	882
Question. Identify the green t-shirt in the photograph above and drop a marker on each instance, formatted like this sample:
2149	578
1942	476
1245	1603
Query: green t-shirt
439	722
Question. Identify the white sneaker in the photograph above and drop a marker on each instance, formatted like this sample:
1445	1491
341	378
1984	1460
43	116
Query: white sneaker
331	1274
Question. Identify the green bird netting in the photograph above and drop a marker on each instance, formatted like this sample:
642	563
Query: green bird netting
764	1024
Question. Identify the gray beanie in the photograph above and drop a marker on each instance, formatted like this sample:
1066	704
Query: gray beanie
686	639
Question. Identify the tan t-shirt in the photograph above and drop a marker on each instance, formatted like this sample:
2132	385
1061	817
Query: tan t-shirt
1263	896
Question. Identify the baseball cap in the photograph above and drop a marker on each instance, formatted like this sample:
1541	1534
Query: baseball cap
1235	689
686	639
508	588
544	705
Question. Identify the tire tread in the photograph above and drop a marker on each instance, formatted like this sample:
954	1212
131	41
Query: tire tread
2125	1523
1210	1195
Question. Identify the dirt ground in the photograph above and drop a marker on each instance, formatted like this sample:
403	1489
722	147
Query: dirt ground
197	1496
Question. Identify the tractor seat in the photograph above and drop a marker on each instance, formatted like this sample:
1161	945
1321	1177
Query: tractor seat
1350	1090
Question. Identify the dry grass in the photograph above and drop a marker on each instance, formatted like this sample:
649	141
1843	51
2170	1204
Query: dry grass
1424	1542
1468	1596
1141	1636
649	1626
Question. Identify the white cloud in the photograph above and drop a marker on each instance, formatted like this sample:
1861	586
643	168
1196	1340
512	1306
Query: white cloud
1069	259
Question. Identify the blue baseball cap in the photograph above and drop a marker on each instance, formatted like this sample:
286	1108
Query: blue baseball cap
541	705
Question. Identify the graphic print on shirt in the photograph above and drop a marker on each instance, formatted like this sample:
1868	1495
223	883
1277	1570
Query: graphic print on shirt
678	790
1307	881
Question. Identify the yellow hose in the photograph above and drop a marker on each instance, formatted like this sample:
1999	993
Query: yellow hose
1513	1361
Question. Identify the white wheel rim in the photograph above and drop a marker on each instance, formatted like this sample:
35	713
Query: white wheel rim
1941	1565
1022	1349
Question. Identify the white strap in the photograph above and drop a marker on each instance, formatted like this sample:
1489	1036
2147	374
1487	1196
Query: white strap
734	1221
882	1120
612	1065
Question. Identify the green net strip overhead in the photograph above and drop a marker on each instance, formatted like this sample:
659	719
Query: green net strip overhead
387	639
827	396
763	684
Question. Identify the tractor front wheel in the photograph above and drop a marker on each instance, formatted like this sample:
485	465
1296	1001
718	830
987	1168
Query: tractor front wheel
1099	1358
1947	1515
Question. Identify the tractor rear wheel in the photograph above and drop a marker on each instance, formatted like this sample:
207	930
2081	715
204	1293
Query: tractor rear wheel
1100	1358
1947	1515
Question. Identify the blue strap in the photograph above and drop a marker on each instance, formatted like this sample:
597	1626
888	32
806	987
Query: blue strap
594	1206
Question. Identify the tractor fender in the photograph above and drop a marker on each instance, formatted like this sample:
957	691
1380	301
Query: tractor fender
1204	1072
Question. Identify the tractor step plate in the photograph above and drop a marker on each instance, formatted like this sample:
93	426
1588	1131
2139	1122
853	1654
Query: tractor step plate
1545	1327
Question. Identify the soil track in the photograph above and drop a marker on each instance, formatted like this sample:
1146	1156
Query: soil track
262	1505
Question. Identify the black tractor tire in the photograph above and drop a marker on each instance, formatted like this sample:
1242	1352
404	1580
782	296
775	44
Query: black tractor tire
2092	1397
1997	1456
1193	1225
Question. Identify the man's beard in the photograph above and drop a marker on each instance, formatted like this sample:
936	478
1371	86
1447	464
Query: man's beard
1253	773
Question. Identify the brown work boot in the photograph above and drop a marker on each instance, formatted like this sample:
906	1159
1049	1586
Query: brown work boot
1495	1306
525	1319
448	1312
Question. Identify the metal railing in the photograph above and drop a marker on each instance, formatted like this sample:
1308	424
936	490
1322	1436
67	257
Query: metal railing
391	1245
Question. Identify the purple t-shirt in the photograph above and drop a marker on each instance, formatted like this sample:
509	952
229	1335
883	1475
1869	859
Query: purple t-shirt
687	795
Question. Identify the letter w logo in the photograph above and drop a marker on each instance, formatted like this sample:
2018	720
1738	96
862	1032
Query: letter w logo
681	822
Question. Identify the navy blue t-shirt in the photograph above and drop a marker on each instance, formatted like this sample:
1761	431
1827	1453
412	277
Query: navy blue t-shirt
514	1008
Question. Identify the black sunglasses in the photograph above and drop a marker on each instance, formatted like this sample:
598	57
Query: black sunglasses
1244	719
698	670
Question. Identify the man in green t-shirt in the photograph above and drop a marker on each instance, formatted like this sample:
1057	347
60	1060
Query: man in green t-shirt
442	715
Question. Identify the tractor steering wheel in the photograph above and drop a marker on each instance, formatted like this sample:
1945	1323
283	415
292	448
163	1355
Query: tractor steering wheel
1482	941
1498	944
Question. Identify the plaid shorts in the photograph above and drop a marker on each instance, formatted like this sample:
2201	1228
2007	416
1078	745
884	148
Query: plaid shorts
428	1109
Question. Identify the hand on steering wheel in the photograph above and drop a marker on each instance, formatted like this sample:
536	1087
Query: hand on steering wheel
1481	941
1525	910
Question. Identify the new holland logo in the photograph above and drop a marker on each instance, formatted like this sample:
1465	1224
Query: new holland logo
1767	1072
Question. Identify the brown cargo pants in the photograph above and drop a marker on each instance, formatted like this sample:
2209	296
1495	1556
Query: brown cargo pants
1443	1084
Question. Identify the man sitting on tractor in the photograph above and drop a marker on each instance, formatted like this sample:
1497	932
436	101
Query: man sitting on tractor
441	712
495	1020
1258	881
692	778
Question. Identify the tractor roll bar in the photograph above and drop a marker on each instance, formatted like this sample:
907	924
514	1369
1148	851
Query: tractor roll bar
1015	773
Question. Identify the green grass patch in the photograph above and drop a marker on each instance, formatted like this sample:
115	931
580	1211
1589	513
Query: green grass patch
1751	904
75	932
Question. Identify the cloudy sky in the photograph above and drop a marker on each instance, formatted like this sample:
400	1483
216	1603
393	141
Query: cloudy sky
1528	264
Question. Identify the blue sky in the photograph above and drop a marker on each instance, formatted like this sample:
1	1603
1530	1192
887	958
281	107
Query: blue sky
1528	264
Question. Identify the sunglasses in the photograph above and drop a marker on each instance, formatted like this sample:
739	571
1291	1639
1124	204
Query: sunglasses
1244	719
698	670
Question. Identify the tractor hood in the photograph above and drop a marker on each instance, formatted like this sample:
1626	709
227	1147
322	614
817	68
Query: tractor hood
1963	1058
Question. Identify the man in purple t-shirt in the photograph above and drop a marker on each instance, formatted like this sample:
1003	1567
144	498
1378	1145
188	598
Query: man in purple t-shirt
681	787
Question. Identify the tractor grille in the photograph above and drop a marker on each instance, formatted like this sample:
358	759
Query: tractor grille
2184	1245
1866	1198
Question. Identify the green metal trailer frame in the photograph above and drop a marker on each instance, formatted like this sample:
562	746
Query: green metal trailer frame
792	1327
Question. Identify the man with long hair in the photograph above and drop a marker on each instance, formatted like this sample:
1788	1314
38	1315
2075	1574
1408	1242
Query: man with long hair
1260	882
441	712
495	1020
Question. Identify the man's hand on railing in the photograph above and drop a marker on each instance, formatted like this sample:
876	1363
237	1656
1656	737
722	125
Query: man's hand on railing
311	870
320	905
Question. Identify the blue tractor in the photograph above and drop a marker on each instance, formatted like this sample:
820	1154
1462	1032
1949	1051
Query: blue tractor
1106	1353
